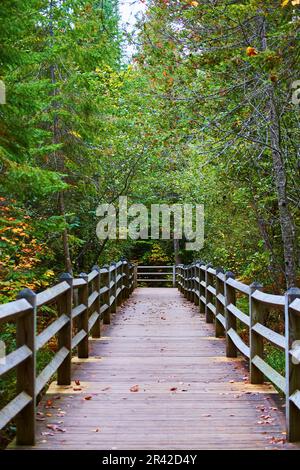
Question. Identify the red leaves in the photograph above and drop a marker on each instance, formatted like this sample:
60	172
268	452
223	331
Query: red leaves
88	397
173	389
277	440
77	382
134	388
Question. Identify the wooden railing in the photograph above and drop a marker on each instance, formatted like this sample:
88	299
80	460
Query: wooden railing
81	305
218	294
155	274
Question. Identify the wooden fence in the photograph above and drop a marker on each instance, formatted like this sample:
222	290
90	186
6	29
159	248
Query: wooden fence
217	294
81	305
155	274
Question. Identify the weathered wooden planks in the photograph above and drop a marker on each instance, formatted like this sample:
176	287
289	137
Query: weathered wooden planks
190	396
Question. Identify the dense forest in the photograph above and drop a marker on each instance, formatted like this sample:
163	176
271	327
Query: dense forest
203	109
205	112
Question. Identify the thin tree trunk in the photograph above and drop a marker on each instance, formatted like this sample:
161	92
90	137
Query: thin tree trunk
68	262
176	251
285	216
59	159
286	220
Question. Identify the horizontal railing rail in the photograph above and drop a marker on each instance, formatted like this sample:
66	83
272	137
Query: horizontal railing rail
218	294
81	306
155	274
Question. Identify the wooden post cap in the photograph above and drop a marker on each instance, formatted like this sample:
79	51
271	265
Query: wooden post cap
28	295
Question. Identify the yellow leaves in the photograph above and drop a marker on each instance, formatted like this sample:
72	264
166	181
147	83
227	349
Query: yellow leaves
194	4
251	51
49	273
75	134
285	3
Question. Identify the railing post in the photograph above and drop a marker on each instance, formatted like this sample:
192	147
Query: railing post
219	329
181	270
130	279
202	293
198	275
195	283
105	282
113	277
185	281
125	280
26	371
119	284
209	316
65	303
174	275
190	283
83	320
122	282
135	274
292	335
257	313
230	319
96	330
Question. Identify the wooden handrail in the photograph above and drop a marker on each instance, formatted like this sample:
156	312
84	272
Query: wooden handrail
147	274
82	304
216	294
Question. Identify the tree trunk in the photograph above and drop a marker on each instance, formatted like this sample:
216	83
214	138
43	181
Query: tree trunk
68	262
285	216
58	158
176	251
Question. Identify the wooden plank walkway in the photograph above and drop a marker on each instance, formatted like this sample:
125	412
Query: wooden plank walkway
189	395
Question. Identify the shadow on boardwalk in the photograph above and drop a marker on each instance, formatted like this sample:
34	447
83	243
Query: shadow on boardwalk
189	396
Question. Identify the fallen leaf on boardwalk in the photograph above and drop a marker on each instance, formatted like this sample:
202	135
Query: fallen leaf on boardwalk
134	388
45	433
39	413
49	403
96	430
53	427
77	382
162	318
77	389
206	416
277	440
231	381
105	389
88	397
49	415
173	389
61	429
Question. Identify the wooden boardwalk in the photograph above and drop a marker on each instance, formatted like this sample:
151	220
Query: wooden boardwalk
188	395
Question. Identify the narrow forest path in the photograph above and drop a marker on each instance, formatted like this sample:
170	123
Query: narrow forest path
189	396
